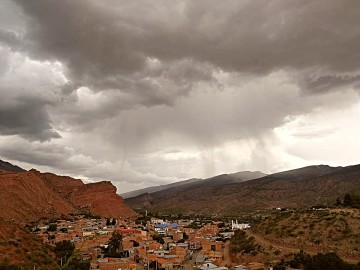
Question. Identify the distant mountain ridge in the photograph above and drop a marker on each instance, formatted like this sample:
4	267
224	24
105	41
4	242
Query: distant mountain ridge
6	166
219	180
301	187
153	189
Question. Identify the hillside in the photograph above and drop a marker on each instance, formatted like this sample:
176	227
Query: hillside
22	248
30	195
153	189
295	188
99	198
335	230
219	180
24	196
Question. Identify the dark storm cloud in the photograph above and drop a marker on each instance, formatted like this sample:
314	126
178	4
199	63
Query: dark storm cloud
27	88
28	120
324	83
103	42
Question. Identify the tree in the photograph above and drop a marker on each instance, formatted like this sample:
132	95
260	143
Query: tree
108	223
52	227
338	201
158	238
300	259
113	222
63	248
76	264
347	200
329	261
240	243
115	244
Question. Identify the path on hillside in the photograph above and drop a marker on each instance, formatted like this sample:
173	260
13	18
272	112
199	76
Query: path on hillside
265	242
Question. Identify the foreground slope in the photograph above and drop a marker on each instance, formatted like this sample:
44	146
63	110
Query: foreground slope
335	230
296	188
22	248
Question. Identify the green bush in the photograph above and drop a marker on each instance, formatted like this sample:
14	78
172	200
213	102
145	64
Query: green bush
240	243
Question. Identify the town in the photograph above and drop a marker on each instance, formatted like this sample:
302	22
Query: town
145	243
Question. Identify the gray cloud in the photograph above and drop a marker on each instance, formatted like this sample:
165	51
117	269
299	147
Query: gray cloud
100	43
323	83
9	38
38	154
27	88
109	88
28	120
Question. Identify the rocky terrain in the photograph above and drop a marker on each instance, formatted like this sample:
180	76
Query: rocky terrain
24	196
31	195
99	198
295	188
23	248
335	230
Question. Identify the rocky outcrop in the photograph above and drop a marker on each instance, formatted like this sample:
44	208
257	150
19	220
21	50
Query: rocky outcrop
32	195
25	196
101	199
63	185
98	198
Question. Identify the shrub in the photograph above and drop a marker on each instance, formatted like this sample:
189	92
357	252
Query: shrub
240	243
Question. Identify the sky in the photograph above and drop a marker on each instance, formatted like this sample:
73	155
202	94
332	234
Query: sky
146	93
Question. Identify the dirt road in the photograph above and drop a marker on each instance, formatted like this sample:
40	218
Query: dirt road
227	257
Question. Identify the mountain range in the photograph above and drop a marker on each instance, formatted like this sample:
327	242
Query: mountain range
196	182
29	195
302	187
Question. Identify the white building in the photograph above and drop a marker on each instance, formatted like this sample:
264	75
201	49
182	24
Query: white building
157	221
236	226
210	266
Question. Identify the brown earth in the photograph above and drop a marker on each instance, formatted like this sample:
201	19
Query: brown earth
312	231
24	196
27	196
99	198
20	247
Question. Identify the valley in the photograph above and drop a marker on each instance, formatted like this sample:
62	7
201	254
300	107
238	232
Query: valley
285	219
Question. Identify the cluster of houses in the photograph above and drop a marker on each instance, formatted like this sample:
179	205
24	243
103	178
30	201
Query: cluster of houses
157	245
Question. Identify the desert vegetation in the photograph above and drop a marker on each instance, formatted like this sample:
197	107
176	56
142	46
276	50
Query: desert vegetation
335	230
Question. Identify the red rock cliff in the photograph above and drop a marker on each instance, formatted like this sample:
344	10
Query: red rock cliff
24	196
99	198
